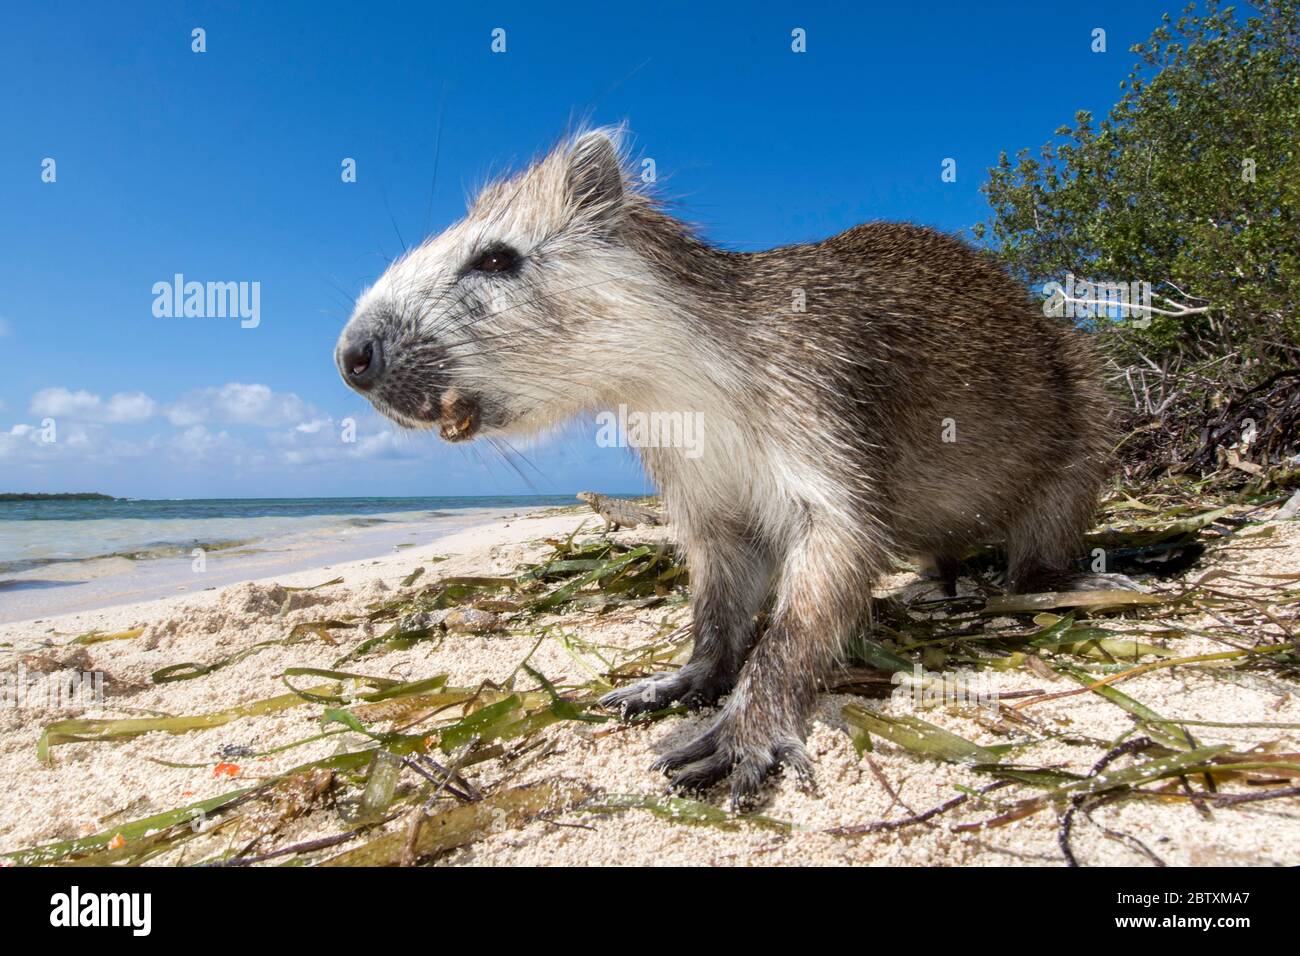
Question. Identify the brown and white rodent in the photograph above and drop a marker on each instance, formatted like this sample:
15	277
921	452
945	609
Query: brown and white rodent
884	392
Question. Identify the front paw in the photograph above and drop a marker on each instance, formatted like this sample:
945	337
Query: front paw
747	756
690	685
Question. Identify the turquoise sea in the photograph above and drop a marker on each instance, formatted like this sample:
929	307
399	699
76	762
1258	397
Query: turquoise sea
66	555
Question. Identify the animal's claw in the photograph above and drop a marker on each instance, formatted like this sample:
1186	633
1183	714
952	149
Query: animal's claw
690	686
715	755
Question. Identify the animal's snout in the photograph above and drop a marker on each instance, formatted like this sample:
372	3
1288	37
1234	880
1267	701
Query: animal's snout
361	362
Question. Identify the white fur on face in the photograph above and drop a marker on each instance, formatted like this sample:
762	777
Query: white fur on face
566	333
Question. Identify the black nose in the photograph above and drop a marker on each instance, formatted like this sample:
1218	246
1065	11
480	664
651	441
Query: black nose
362	363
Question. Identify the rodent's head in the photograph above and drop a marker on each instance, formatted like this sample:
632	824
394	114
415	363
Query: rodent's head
509	320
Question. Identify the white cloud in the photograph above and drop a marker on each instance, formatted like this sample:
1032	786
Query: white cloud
234	428
239	404
130	407
85	406
315	425
197	444
70	442
232	404
371	438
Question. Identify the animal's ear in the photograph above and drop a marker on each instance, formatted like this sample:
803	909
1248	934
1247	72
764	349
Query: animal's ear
595	174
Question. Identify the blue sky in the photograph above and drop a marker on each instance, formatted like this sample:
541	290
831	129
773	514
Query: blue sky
225	166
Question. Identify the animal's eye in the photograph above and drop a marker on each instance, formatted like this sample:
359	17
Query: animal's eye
497	259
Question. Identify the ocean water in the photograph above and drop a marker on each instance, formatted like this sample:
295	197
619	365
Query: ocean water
69	555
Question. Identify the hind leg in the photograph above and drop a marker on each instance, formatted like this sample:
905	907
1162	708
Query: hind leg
944	568
731	578
1047	538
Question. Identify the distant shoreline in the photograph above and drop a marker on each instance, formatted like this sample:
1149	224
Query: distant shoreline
59	496
97	496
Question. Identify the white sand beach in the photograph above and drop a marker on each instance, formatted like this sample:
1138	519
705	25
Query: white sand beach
91	787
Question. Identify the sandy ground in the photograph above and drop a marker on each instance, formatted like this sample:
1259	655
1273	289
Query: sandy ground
88	787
